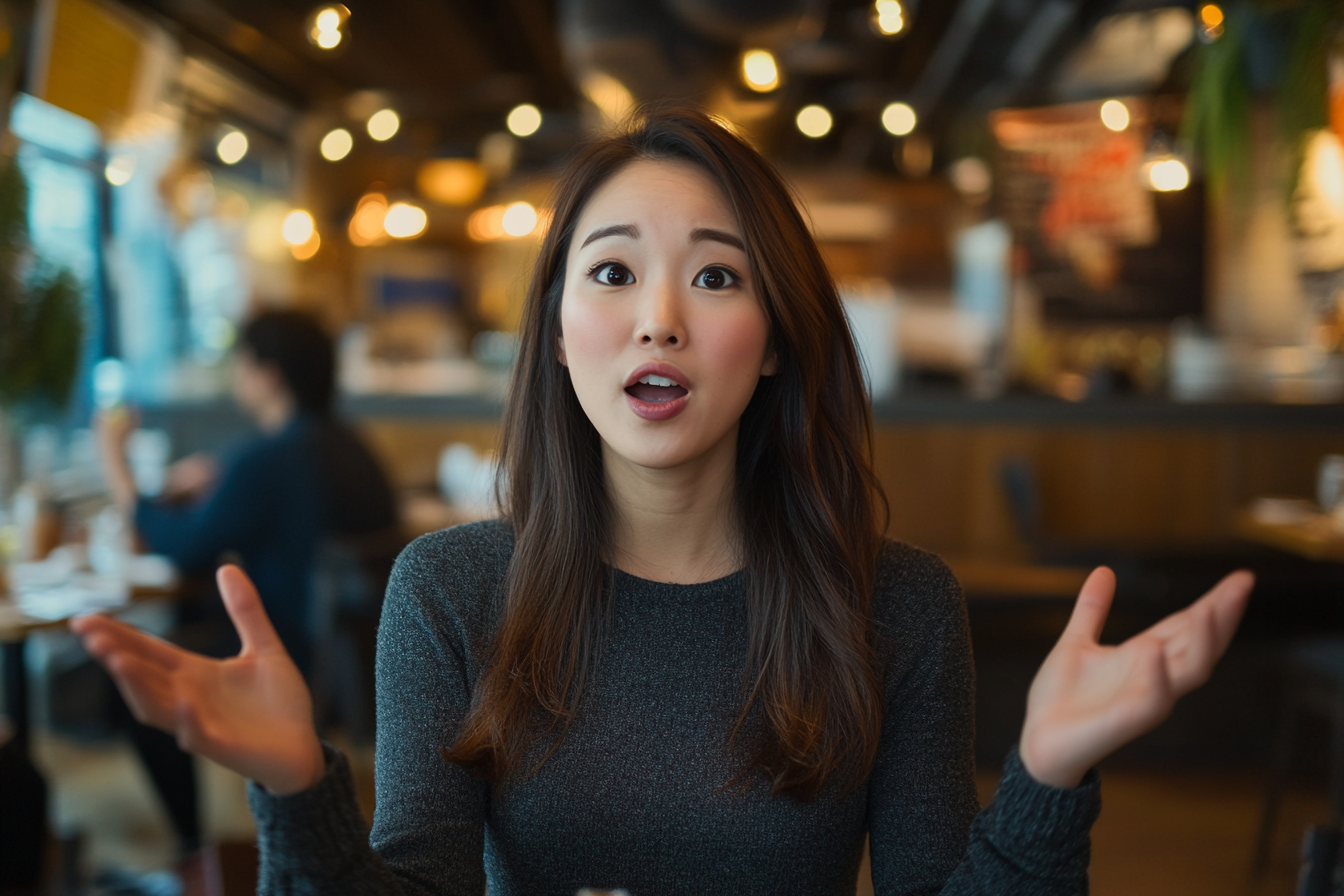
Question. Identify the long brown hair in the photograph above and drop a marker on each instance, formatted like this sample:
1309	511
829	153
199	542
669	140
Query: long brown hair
807	501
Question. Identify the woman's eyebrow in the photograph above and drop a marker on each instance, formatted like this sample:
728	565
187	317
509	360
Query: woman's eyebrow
629	230
718	236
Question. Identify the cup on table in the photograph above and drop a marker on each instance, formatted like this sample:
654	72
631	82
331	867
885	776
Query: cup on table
1330	482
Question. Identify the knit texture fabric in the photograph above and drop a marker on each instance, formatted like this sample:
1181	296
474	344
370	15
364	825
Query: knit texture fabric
645	793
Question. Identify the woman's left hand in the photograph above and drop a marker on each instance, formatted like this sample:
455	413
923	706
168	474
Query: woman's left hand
1089	699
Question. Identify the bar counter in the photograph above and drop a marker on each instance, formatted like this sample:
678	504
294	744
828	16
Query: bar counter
992	478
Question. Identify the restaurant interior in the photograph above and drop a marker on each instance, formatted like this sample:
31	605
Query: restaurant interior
1091	253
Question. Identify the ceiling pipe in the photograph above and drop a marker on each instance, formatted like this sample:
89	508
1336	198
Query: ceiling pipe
947	58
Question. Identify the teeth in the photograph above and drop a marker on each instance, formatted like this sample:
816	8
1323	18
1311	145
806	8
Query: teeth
653	380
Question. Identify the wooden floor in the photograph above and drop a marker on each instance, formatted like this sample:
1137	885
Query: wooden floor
1161	833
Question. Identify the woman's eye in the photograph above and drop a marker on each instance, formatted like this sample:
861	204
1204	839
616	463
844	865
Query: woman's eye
715	278
612	274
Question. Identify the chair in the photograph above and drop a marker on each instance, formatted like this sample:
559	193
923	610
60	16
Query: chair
349	580
1313	683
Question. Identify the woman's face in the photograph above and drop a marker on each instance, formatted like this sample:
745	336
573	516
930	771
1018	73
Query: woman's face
662	330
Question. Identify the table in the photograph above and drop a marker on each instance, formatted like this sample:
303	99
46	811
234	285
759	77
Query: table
1293	526
143	578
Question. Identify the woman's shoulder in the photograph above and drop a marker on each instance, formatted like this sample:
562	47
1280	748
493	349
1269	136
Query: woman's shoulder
460	570
914	588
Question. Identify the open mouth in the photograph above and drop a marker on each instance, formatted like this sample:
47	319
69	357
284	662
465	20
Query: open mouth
655	389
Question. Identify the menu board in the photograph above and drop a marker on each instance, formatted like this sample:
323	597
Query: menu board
1094	240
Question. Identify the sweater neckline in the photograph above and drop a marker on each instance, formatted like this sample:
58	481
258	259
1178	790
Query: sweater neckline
636	581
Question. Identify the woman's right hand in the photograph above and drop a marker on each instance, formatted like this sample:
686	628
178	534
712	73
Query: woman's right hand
251	713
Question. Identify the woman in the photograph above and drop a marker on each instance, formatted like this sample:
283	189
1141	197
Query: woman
686	661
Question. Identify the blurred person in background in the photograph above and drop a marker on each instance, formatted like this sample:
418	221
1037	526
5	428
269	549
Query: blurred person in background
272	502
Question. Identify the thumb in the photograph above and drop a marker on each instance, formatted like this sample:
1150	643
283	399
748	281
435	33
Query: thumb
243	604
1092	607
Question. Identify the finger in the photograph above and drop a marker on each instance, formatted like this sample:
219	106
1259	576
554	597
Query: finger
1230	598
146	688
1192	652
1094	603
243	604
101	635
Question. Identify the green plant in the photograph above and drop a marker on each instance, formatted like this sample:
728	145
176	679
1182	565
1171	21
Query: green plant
1275	48
41	314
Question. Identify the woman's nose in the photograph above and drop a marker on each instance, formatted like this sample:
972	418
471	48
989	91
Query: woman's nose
660	321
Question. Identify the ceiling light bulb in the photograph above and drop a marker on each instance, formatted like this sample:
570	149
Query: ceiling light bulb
759	70
328	40
888	17
524	120
119	169
520	219
384	124
298	227
336	145
307	249
1115	115
1168	175
405	221
899	119
328	19
232	147
814	121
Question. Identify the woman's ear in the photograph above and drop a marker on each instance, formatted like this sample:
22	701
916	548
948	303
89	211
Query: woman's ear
560	351
770	366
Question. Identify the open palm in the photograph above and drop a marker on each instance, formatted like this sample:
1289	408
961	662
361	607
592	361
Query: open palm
1089	699
251	713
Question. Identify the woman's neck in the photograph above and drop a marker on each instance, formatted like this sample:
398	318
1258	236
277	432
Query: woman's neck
675	525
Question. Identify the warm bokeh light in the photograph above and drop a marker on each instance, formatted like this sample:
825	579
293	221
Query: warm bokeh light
308	249
120	169
524	120
486	224
760	72
1168	175
888	17
384	124
519	219
814	121
232	147
1211	15
298	227
1115	115
970	176
610	96
328	19
366	224
899	119
337	144
405	221
451	181
327	26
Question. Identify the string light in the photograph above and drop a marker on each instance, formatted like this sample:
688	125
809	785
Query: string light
336	145
232	147
1211	20
1168	175
384	124
298	227
524	120
405	221
760	72
814	121
887	17
327	26
1115	115
899	119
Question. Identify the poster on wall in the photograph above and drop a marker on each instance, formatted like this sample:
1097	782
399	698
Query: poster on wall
1093	236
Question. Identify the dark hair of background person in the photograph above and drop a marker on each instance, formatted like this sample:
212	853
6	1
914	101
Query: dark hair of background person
808	503
294	343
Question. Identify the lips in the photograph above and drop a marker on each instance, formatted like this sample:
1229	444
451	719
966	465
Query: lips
657	391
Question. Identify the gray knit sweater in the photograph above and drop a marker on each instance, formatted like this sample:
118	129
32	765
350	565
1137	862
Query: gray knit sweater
635	795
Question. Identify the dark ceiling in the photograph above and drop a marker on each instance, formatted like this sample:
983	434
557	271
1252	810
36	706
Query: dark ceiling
459	66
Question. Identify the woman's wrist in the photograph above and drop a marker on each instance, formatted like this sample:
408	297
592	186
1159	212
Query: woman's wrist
1043	770
303	776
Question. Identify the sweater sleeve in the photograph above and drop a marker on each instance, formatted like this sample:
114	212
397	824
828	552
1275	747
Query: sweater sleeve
428	831
925	834
232	518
